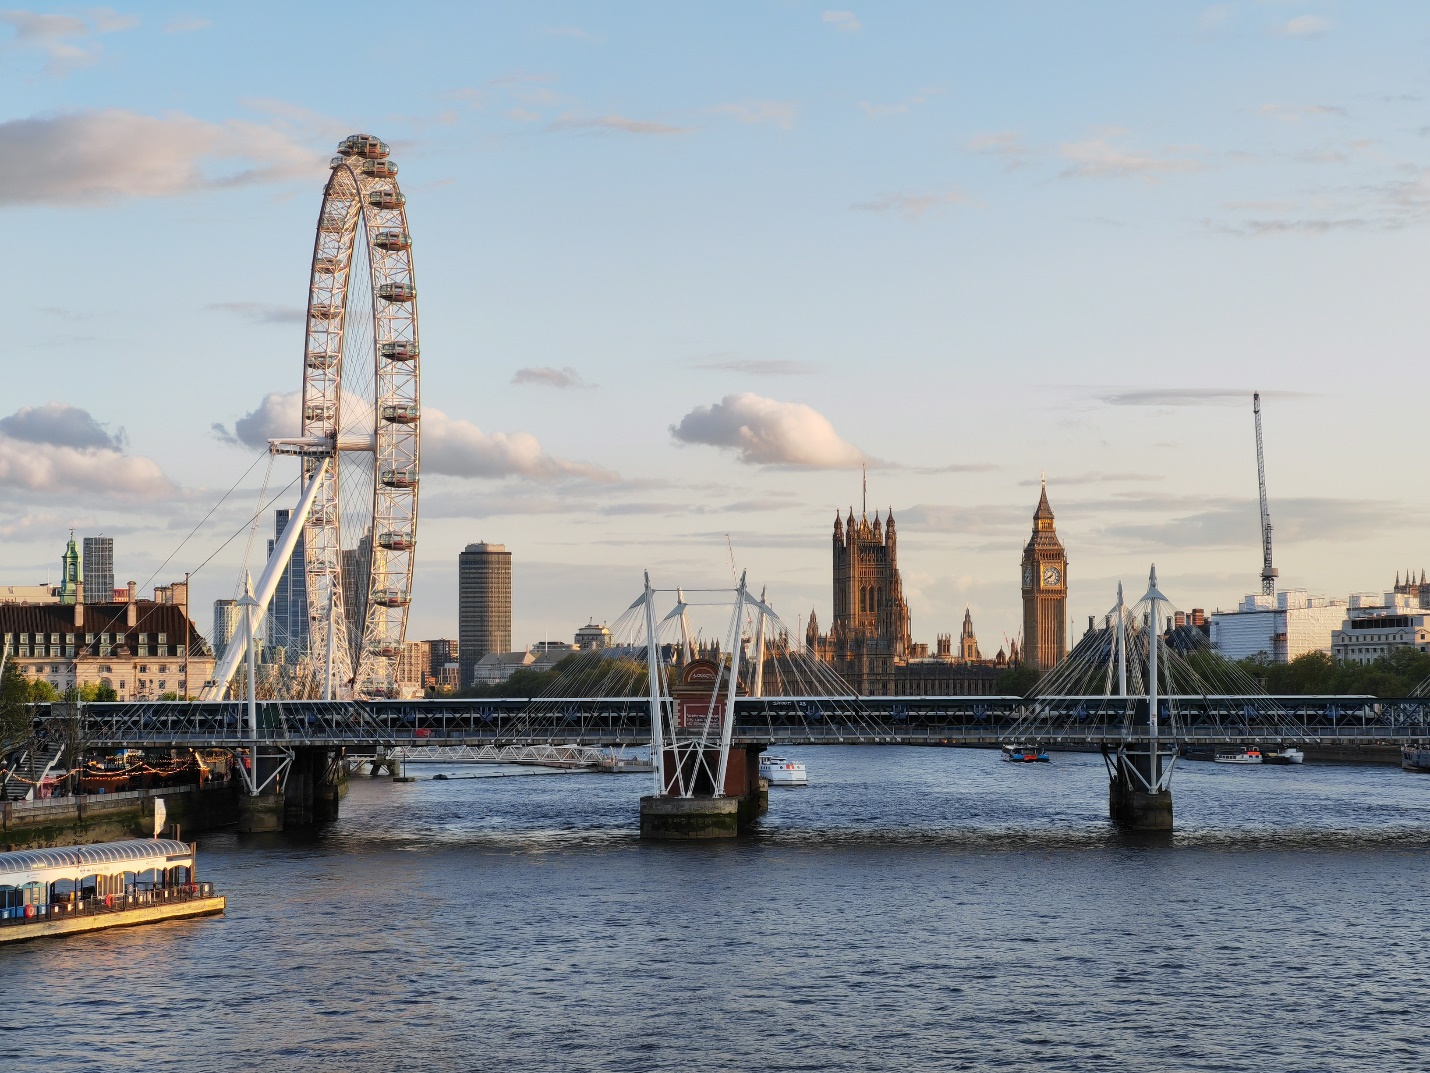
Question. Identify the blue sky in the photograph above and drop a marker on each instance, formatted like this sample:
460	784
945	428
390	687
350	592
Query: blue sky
684	267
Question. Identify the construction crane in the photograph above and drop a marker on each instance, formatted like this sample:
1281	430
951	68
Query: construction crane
1268	572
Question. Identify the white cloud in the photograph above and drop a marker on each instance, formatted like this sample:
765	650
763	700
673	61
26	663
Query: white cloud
843	21
911	206
546	376
615	124
279	414
95	157
460	449
762	368
1305	26
768	432
59	424
66	41
63	450
450	446
264	312
186	25
782	114
1099	157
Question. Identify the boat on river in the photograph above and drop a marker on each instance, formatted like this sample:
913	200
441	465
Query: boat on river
70	889
1026	754
1415	758
1283	757
779	771
1246	756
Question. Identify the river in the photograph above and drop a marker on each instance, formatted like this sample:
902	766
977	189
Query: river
912	909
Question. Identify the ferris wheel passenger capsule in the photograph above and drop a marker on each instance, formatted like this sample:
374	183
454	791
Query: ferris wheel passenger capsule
399	478
379	169
386	199
323	311
326	266
363	145
390	598
321	359
318	411
386	649
401	413
399	350
332	222
392	240
397	292
396	541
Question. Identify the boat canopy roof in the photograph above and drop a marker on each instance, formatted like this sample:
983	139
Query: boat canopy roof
137	855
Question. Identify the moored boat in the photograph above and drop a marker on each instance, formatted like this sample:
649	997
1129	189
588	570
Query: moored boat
1415	758
1282	757
71	889
1246	756
1026	754
779	771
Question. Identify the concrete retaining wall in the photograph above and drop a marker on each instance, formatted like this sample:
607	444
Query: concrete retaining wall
72	821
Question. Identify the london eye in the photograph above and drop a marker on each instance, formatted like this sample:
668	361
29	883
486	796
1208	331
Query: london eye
361	414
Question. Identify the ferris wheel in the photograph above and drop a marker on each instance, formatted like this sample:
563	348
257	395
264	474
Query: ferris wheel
361	399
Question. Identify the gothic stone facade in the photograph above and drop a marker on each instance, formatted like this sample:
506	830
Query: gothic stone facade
869	643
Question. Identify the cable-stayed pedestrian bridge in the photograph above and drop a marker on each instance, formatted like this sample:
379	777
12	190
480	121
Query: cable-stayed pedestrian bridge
809	720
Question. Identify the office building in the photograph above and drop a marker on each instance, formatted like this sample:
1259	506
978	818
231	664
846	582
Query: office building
286	622
228	621
98	569
483	604
1277	628
1373	627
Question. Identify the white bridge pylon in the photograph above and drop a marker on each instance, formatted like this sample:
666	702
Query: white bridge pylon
691	734
255	601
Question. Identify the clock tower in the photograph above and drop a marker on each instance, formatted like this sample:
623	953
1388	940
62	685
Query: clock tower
1045	591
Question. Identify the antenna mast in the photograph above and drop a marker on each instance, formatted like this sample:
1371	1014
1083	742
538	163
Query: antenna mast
1268	572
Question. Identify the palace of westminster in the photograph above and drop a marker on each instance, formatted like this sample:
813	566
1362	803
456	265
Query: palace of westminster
870	644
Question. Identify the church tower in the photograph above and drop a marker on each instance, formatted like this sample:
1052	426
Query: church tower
1045	591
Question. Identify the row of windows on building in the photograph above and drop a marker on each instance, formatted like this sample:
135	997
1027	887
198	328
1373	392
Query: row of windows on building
103	646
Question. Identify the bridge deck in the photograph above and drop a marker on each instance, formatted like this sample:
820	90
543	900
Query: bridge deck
774	721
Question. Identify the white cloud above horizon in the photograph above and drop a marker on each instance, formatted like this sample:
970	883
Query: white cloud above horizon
95	157
767	432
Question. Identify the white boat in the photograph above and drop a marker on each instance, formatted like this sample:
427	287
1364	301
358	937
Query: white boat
777	771
1246	756
1283	757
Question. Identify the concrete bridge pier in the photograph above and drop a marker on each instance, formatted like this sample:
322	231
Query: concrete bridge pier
265	771
313	786
702	815
1139	795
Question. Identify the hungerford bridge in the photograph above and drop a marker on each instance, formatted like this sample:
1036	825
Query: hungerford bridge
1139	704
705	713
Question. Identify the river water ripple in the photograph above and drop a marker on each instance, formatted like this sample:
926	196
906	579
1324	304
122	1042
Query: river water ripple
913	909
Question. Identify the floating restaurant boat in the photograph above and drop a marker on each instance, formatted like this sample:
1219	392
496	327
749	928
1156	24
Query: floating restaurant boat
1246	756
778	771
1026	754
1415	758
72	889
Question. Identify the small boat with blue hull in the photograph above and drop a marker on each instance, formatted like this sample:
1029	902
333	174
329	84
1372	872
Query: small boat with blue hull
1026	754
1416	758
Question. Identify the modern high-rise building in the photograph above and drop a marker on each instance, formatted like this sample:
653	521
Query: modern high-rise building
483	604
228	620
98	562
286	622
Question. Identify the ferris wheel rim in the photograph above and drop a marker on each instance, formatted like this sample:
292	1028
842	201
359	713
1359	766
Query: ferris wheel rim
362	200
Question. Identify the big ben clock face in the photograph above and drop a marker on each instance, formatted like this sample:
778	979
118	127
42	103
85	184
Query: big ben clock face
1052	576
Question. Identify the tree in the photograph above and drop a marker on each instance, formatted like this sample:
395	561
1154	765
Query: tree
14	710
